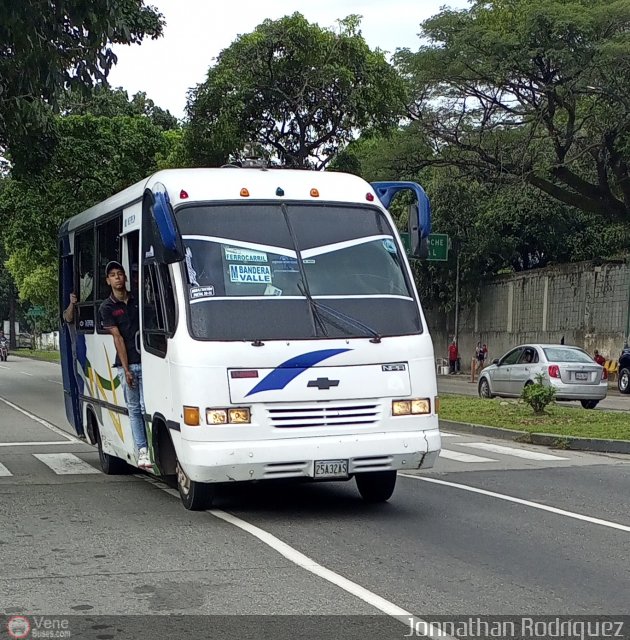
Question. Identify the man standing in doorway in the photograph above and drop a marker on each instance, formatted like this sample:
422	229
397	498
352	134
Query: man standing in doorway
119	315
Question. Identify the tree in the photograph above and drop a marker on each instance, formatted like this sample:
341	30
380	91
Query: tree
95	157
535	90
495	225
47	47
299	91
103	101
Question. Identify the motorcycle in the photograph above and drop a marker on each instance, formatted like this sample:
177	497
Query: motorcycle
4	349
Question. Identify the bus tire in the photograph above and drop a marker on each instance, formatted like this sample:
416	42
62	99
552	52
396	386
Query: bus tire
110	465
376	486
195	496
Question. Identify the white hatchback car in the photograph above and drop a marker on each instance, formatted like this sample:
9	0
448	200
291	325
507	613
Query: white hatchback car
570	370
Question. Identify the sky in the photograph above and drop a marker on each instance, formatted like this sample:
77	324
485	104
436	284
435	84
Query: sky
198	30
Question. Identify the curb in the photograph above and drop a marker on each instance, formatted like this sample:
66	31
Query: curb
544	439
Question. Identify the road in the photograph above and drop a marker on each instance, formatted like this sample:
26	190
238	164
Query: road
461	384
492	530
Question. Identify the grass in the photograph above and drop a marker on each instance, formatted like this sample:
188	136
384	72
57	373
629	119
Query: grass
37	354
511	414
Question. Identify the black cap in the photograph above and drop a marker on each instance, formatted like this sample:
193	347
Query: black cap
114	264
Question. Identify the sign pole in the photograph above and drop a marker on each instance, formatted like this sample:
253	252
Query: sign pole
457	299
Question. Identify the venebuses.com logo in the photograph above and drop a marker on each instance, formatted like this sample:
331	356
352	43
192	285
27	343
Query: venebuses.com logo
18	627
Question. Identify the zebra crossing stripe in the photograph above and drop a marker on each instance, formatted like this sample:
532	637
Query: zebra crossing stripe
511	451
4	472
65	463
463	457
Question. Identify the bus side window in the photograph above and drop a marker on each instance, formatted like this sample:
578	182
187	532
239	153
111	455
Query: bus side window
108	247
158	308
84	279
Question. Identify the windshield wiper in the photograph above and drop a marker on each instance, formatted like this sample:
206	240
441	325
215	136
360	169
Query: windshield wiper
303	286
349	320
317	307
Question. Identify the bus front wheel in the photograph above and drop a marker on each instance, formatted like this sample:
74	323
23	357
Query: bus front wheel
110	465
195	496
377	486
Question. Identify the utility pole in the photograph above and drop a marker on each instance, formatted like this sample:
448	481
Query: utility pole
457	298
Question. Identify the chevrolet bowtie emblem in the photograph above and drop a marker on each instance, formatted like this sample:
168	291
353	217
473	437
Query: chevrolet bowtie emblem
323	383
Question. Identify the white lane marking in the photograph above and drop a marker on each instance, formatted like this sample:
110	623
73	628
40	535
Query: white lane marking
35	443
512	451
4	367
527	503
448	435
4	472
26	374
463	457
56	382
65	463
44	423
303	561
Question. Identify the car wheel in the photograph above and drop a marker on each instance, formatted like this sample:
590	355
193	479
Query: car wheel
376	486
623	382
484	389
589	404
195	496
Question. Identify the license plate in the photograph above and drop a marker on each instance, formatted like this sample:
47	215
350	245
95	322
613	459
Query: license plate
331	468
581	376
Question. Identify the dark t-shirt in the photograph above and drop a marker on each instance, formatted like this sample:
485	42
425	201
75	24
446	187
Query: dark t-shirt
114	313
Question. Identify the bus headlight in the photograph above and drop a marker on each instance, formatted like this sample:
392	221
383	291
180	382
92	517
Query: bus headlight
236	415
216	416
239	415
413	406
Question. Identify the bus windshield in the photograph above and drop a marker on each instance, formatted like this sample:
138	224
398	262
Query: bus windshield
245	281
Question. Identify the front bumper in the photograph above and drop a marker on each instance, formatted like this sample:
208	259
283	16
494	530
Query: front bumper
295	457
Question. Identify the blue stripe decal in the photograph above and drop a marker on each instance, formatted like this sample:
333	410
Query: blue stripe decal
280	377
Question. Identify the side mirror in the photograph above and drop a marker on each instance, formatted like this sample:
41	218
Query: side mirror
419	213
162	240
495	361
418	246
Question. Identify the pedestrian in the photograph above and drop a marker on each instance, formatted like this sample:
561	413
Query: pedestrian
453	353
479	356
599	358
119	315
485	354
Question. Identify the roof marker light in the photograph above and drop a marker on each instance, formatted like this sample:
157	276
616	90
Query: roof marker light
369	197
314	193
245	192
183	195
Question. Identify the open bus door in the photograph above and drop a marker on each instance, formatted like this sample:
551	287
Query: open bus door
419	225
69	341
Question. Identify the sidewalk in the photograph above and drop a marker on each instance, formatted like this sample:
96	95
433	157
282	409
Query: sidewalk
460	384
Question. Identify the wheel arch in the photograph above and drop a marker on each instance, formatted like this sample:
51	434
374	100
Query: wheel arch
164	452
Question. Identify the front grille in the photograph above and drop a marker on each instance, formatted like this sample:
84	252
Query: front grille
324	416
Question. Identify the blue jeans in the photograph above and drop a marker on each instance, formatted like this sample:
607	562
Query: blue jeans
135	403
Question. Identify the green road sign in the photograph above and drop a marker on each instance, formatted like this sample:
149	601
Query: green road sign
36	312
438	246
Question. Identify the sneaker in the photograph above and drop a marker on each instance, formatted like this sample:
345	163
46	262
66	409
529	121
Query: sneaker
143	459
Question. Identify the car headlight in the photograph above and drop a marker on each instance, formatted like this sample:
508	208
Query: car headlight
413	406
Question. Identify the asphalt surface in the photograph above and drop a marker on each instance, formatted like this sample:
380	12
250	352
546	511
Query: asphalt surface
520	530
461	384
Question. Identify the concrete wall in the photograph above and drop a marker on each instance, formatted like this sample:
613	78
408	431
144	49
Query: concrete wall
586	304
